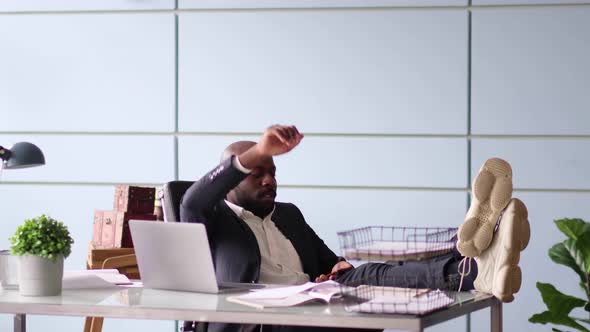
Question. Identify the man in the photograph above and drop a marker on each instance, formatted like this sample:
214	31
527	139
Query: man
255	239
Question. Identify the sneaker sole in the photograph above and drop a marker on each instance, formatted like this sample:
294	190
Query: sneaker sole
491	192
513	237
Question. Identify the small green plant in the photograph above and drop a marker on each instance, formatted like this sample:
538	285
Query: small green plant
42	236
574	252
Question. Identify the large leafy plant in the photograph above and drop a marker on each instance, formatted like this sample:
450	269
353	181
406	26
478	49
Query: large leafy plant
574	252
42	236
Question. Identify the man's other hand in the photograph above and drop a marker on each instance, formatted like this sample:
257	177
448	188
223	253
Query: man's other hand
336	270
278	140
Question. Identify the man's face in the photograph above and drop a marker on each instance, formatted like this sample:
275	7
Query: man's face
258	190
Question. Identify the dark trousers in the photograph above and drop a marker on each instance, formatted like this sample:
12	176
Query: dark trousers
440	272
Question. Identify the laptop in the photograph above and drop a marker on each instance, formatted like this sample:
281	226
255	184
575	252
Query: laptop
176	256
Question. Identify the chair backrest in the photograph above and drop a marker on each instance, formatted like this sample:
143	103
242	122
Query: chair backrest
172	195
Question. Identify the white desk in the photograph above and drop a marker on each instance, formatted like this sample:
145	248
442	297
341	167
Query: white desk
138	303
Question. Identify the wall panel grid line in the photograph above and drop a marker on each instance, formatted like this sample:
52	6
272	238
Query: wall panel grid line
469	36
286	186
309	187
176	73
482	7
307	134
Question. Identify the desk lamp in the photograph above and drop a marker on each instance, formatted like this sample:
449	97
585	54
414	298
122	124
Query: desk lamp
21	155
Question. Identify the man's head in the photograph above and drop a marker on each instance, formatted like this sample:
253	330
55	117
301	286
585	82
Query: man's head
257	192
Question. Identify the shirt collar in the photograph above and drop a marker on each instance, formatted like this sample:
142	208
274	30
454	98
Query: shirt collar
243	213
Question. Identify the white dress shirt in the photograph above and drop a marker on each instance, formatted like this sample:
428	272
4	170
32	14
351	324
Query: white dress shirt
280	263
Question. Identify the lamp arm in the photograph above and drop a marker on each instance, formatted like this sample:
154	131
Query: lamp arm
4	153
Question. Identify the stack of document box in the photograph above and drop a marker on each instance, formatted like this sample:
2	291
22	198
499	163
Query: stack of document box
111	228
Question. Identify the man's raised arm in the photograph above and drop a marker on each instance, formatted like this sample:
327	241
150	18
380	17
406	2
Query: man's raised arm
205	193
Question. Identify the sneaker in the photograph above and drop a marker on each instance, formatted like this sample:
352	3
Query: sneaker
498	270
491	192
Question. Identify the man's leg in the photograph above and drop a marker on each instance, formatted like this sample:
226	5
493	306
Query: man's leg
436	273
495	231
461	274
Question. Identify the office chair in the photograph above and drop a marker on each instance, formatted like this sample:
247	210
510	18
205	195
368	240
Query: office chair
171	196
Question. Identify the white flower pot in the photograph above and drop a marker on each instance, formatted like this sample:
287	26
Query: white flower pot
8	270
38	276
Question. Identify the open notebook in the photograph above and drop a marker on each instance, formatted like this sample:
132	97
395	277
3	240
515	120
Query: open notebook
289	296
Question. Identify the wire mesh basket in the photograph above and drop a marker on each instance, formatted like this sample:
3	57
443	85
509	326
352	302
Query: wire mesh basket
400	300
381	243
399	293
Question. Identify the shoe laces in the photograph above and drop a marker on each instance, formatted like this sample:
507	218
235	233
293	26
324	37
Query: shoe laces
461	270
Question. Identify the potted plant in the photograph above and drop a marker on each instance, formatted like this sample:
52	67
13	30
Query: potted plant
42	244
574	252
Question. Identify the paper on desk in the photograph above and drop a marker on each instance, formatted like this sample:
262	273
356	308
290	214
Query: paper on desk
93	279
283	292
289	296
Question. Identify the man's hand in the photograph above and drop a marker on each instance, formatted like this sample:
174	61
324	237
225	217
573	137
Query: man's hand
278	140
337	269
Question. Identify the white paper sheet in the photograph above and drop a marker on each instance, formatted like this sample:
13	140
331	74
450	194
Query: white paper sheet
93	279
289	296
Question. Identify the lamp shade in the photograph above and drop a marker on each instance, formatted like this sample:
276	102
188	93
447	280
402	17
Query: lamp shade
22	155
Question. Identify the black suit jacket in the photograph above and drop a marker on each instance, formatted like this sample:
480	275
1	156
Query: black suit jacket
233	245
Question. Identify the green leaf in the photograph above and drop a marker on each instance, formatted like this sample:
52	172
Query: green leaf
42	236
583	245
583	286
557	302
574	248
573	228
557	330
561	255
557	319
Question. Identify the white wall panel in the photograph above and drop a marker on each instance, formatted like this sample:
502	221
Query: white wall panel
346	161
329	71
314	3
72	5
535	263
530	73
73	158
525	2
87	73
538	163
